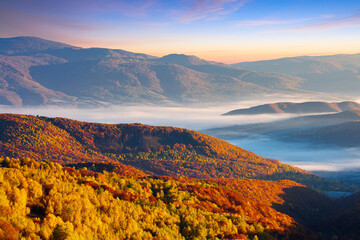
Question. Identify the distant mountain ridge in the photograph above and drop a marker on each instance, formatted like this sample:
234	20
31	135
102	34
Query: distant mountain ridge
283	126
330	74
35	71
304	107
343	135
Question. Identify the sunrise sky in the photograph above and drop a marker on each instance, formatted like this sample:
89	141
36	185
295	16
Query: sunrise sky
221	30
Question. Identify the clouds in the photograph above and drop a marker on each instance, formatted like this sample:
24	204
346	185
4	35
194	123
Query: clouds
332	23
75	8
208	9
279	22
61	18
316	23
186	10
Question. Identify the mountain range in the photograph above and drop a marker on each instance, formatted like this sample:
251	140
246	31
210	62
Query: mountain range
340	128
35	71
332	74
285	126
341	135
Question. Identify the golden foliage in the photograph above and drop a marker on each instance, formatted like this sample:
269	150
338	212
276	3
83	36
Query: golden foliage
154	150
43	200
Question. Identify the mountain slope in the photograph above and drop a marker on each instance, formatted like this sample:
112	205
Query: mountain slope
17	86
154	150
31	137
332	74
37	71
268	80
305	107
343	135
345	221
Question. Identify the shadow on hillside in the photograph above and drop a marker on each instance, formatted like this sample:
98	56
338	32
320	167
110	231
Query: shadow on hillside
93	166
313	181
306	206
334	219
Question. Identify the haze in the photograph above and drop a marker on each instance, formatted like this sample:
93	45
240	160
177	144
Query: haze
194	116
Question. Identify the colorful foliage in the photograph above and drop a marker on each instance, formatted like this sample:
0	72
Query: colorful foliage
137	150
43	200
156	150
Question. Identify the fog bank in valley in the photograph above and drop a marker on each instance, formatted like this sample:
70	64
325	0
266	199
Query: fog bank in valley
201	117
304	155
195	117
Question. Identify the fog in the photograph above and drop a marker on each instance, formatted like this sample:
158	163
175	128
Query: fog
200	117
193	116
304	155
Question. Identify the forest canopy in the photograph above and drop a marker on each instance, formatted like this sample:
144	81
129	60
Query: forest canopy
43	200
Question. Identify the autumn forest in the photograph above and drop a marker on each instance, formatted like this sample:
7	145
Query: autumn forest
66	179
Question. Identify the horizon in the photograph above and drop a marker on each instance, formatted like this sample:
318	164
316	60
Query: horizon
228	31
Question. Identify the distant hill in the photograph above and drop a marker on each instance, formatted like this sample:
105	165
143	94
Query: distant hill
183	60
343	135
331	74
35	71
154	150
285	126
289	107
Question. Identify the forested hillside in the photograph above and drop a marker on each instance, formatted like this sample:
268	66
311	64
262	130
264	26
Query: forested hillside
341	135
154	150
43	200
120	194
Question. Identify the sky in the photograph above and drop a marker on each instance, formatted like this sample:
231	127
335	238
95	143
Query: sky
227	31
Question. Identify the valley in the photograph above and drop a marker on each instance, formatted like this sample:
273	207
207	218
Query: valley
321	142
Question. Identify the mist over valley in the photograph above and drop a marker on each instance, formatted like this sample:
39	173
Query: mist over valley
267	135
